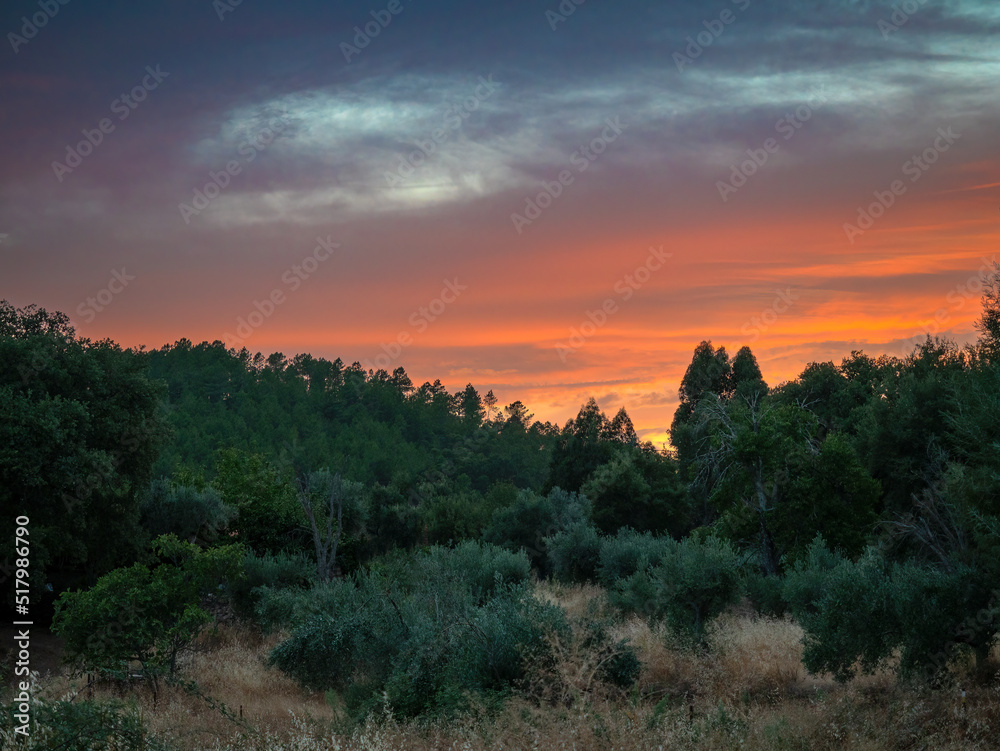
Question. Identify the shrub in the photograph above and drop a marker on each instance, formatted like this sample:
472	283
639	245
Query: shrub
942	614
695	582
268	516
805	583
766	593
79	726
269	571
574	553
532	520
627	553
452	624
483	567
620	665
184	511
852	620
143	614
687	583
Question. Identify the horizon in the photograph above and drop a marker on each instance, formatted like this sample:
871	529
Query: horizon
550	201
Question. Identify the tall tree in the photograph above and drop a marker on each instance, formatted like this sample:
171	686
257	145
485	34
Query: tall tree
582	448
988	324
622	430
323	496
80	426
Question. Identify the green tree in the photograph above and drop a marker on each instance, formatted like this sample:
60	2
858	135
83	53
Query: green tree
582	447
185	511
988	324
779	483
901	432
829	492
695	582
745	379
145	614
268	516
471	407
80	425
752	442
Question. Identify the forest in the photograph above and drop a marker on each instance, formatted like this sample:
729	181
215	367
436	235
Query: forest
405	562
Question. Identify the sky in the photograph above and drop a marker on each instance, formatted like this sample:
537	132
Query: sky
550	200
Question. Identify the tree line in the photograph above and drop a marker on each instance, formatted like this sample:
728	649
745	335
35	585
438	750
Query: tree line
861	497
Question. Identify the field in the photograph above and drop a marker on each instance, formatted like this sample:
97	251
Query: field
747	689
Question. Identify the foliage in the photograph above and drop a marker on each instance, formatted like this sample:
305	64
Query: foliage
144	613
634	489
587	442
694	581
857	614
189	513
324	497
80	424
901	433
79	726
532	520
574	552
454	623
627	553
269	571
268	516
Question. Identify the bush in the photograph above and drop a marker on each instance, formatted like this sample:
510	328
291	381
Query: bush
941	615
627	553
621	666
78	726
184	511
695	582
532	519
687	583
859	614
766	593
481	566
805	583
143	614
269	571
574	553
452	624
850	619
269	518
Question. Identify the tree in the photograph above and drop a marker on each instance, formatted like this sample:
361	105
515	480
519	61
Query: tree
826	390
518	416
191	514
988	324
778	483
829	493
695	582
582	448
471	407
709	373
745	378
267	515
621	429
490	402
533	519
80	425
322	498
901	431
146	613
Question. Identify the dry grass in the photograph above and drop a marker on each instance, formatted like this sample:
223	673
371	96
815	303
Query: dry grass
229	666
746	690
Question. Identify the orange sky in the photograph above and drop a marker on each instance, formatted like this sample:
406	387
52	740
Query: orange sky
811	108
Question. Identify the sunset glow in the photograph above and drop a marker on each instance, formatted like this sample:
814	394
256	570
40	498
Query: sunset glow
533	206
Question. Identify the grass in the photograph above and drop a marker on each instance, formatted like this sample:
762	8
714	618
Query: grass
747	689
